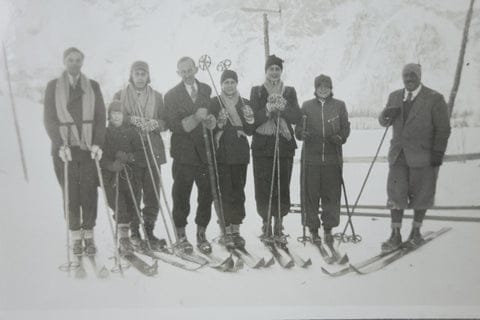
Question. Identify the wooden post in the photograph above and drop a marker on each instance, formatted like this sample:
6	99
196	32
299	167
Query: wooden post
15	119
266	39
461	56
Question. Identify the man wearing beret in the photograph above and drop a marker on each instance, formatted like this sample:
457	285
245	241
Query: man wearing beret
144	110
327	129
421	127
74	117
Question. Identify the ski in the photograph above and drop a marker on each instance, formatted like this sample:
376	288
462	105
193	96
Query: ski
221	264
282	258
101	272
172	259
336	256
324	253
362	264
403	251
299	261
249	259
141	265
80	272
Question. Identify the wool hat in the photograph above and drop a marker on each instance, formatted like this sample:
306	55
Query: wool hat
229	74
139	65
413	67
115	105
323	80
273	60
70	50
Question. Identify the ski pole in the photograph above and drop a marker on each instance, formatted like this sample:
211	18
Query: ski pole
160	182
118	262
104	194
270	198
303	185
155	190
137	209
68	266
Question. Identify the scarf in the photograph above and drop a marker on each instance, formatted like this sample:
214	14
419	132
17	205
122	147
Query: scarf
142	105
68	128
230	104
269	128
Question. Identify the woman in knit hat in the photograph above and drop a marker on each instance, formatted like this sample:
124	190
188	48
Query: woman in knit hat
274	104
235	121
327	129
144	110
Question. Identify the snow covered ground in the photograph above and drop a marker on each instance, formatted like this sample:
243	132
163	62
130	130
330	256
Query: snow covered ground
440	280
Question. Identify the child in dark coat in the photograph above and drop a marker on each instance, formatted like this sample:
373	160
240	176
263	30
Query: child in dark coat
119	152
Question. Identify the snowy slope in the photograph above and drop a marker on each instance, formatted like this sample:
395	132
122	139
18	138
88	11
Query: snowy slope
442	279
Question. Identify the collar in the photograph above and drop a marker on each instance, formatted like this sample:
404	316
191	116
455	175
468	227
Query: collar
189	86
414	93
73	80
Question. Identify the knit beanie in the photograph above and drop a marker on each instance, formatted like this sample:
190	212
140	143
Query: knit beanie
323	80
139	65
273	60
229	74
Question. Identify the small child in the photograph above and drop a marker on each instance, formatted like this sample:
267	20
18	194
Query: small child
119	152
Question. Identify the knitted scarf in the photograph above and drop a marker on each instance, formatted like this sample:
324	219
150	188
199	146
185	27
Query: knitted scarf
230	103
68	128
269	128
142	105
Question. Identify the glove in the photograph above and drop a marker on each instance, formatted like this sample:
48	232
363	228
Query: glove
65	154
201	114
210	122
222	118
117	166
96	152
138	122
124	157
336	139
301	134
391	113
248	114
151	125
436	158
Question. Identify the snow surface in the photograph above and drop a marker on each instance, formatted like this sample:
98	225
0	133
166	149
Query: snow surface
442	279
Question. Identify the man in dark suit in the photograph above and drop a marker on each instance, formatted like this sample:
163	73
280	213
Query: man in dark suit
74	117
186	112
421	127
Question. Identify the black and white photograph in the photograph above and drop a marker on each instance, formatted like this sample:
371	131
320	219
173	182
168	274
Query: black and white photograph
243	159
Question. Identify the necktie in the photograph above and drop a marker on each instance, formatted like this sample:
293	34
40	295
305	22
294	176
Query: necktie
409	96
194	93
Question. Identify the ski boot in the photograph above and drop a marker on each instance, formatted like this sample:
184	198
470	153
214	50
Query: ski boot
77	243
267	234
315	237
183	245
77	247
156	244
125	247
90	248
279	237
226	239
328	237
394	242
135	237
238	240
202	243
415	238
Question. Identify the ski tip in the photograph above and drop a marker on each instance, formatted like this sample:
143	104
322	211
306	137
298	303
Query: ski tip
80	273
289	264
103	273
343	260
326	271
355	269
270	262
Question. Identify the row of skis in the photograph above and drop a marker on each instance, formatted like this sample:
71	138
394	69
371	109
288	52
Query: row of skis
232	260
